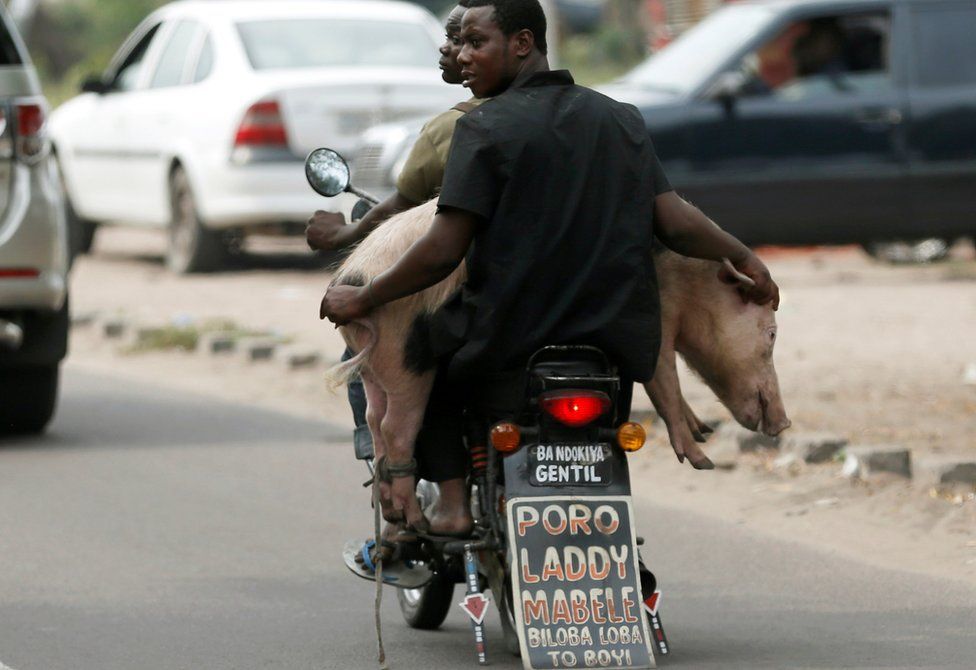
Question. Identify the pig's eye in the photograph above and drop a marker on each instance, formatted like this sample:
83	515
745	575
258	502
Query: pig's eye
772	336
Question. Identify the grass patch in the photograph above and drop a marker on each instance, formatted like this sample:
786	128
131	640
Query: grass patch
186	337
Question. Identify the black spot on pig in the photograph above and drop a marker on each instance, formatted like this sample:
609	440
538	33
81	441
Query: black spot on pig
418	356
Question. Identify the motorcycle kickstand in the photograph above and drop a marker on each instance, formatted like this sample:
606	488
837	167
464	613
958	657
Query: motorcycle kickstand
475	603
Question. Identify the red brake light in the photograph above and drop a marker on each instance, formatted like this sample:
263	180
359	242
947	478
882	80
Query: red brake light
262	125
31	141
575	408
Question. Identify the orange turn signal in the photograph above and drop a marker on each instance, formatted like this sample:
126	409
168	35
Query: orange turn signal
505	437
631	436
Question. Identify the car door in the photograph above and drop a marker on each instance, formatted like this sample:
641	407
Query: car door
153	120
942	102
101	152
802	140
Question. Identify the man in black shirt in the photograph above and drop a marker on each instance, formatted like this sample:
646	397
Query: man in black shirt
554	194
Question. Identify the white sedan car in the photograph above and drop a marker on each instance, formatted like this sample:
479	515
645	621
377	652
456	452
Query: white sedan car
202	121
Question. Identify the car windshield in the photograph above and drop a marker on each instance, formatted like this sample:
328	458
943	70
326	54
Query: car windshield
320	42
682	66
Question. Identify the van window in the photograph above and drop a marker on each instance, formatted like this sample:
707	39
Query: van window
945	45
8	48
172	63
820	57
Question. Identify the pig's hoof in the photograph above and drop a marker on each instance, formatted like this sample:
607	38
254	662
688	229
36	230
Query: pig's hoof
699	438
704	464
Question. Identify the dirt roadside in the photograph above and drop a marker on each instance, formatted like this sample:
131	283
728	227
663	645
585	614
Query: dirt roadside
871	352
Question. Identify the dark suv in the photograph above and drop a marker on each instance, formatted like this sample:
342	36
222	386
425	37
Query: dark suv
820	121
33	247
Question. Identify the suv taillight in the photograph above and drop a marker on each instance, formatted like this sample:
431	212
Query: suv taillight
262	126
30	138
575	408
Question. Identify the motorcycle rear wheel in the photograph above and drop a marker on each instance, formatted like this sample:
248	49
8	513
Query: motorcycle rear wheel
427	607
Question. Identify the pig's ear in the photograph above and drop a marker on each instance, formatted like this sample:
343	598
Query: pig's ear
729	275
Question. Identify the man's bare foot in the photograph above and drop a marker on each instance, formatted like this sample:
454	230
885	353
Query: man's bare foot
451	514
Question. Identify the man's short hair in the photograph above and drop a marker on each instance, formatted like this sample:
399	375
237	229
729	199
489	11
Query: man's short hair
515	15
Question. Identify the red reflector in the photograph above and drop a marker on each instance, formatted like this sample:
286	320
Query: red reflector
575	408
262	125
30	120
16	273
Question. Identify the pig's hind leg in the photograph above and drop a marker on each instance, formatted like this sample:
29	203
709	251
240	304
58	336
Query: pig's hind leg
664	391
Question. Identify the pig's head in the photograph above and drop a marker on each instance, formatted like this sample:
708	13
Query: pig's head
729	344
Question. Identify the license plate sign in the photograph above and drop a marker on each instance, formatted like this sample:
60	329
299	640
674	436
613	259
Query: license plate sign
570	465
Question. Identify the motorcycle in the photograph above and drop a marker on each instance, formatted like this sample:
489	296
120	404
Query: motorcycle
554	542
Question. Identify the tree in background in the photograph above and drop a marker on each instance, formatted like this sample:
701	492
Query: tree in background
73	39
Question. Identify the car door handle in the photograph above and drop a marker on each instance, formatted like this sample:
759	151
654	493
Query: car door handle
879	117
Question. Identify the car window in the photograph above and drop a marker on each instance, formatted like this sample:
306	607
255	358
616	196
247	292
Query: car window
945	45
9	55
127	75
287	43
205	61
820	57
172	63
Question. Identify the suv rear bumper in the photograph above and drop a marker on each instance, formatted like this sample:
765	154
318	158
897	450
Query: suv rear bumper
33	236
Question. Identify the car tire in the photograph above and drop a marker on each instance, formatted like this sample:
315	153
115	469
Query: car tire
30	396
192	247
427	607
929	250
81	232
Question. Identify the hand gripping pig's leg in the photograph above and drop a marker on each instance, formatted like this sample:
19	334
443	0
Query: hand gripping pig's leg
664	391
405	408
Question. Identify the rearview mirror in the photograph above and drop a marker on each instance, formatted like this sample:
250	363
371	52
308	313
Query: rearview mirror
327	172
728	87
94	84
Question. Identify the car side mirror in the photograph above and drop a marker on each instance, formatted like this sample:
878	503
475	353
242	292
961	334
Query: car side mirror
728	87
94	84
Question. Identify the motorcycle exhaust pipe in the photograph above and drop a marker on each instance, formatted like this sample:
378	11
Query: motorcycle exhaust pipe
11	335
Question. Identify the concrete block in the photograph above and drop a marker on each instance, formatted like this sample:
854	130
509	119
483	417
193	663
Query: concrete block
113	328
216	343
83	319
862	461
145	332
945	470
257	348
745	439
296	357
814	447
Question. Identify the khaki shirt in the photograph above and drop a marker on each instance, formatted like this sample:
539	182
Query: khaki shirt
422	173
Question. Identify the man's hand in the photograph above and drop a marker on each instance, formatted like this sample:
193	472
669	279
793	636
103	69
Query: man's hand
324	230
342	304
752	280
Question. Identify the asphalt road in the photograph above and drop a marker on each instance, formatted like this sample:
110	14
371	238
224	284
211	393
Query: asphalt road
151	529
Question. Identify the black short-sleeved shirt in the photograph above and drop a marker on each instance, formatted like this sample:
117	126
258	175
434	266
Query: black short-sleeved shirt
564	179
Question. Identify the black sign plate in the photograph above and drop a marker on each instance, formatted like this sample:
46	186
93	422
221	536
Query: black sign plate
575	585
570	465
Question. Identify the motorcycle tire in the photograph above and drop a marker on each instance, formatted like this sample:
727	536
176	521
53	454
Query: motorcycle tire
427	607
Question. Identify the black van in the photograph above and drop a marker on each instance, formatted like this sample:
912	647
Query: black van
820	121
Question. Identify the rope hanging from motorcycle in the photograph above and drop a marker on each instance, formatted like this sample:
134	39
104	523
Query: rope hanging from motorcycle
378	600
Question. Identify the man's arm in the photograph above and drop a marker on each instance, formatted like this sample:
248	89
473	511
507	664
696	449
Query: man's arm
685	229
429	260
327	231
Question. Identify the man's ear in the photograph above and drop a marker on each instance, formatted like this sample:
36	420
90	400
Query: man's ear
523	42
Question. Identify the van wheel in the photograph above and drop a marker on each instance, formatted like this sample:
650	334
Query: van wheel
30	396
427	607
192	247
928	250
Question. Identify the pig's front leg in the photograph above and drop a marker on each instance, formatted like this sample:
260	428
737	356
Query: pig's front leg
664	391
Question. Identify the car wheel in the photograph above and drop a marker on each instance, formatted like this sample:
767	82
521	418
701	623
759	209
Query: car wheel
81	232
427	607
929	250
30	396
192	247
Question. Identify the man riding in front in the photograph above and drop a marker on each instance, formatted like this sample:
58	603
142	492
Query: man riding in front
554	194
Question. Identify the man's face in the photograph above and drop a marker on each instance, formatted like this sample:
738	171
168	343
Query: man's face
488	59
450	69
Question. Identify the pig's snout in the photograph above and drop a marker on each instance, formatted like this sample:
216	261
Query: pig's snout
774	419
